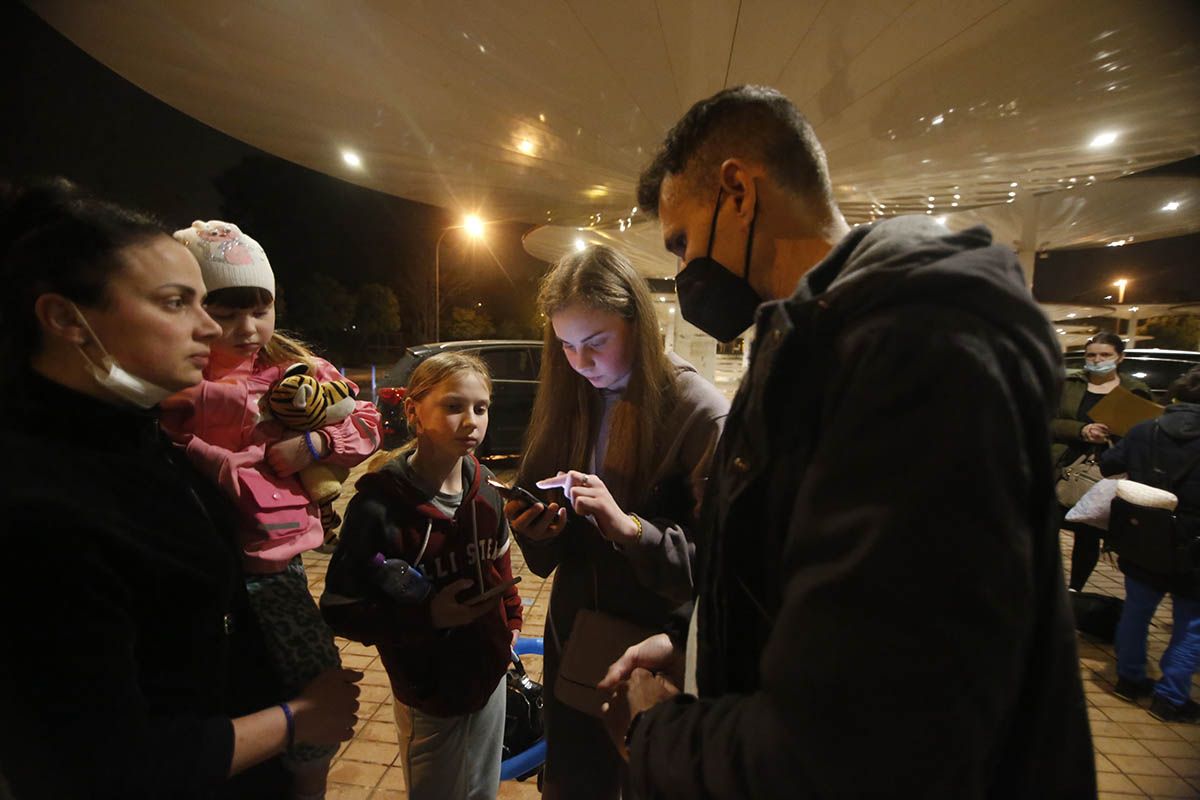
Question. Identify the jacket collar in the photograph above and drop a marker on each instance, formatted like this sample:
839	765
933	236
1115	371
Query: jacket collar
38	406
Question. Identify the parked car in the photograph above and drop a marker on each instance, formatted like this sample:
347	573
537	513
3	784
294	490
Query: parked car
1158	369
514	365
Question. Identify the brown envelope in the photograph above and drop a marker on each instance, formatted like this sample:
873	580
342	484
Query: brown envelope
1121	409
597	640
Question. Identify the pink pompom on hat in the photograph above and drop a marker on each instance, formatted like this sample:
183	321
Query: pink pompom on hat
228	258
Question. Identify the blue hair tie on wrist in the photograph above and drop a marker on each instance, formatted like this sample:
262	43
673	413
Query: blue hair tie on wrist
308	443
291	724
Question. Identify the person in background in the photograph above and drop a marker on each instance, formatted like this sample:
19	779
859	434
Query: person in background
1076	434
432	508
1162	452
135	666
627	433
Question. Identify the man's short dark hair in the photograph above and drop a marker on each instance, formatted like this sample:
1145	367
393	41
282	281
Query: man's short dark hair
754	122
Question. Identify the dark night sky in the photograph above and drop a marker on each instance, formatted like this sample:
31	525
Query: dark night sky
67	114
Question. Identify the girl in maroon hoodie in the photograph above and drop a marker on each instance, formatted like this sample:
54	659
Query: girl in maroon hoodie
431	506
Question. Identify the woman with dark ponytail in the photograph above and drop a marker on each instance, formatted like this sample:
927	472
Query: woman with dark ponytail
131	668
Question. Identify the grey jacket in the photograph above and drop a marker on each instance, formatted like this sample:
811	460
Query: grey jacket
882	611
649	582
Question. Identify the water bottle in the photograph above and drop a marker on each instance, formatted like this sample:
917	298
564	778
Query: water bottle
400	580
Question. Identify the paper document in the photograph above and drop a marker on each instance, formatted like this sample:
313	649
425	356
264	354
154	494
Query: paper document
1121	409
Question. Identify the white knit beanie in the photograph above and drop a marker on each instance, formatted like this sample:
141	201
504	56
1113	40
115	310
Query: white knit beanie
228	258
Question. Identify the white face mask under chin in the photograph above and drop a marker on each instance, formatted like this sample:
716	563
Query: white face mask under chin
118	380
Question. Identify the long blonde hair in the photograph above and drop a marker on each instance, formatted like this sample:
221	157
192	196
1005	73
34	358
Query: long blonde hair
567	407
433	371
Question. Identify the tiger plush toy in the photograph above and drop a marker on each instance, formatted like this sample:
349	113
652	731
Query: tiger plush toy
302	403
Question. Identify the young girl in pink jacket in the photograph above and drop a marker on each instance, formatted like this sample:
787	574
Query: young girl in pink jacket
255	459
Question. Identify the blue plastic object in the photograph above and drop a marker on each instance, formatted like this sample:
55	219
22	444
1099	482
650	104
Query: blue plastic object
534	756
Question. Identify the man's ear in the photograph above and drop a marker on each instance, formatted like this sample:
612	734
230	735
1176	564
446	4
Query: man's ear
59	317
740	185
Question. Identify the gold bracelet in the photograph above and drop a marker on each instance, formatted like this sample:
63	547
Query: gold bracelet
638	536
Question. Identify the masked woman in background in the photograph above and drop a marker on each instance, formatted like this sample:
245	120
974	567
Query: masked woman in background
1075	433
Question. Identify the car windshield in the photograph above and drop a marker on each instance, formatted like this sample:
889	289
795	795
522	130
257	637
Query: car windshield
398	374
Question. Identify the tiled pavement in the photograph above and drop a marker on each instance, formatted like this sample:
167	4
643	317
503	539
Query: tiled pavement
1136	755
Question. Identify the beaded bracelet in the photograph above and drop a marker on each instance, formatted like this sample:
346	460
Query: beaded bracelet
636	521
291	724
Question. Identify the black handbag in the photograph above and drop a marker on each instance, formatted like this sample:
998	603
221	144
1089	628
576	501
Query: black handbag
1154	539
523	722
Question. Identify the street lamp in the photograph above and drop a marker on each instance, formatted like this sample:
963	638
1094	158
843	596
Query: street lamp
473	226
1120	284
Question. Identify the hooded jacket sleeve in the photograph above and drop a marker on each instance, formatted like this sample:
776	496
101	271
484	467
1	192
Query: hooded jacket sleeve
358	435
351	604
664	555
900	552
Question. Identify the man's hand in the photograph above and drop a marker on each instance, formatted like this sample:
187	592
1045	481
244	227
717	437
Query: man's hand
657	654
641	692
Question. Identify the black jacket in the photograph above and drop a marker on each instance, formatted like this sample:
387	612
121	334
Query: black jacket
442	672
130	642
882	609
1156	452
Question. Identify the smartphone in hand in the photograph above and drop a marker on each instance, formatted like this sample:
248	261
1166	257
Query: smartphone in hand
514	493
492	592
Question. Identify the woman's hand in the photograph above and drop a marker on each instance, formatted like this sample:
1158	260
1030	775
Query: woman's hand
446	612
289	456
536	522
1095	433
590	497
325	710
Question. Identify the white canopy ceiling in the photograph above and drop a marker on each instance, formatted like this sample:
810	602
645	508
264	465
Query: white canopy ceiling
546	110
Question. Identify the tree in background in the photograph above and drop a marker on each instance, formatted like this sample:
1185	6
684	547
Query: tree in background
468	323
1176	332
377	311
323	308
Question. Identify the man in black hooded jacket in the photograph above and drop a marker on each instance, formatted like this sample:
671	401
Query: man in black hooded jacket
881	607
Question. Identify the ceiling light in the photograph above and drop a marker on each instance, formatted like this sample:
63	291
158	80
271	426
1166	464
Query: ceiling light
633	211
541	117
931	198
1103	139
1117	243
1013	185
941	220
580	245
352	159
957	197
473	225
526	147
1133	309
1071	315
1012	194
1171	206
938	120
